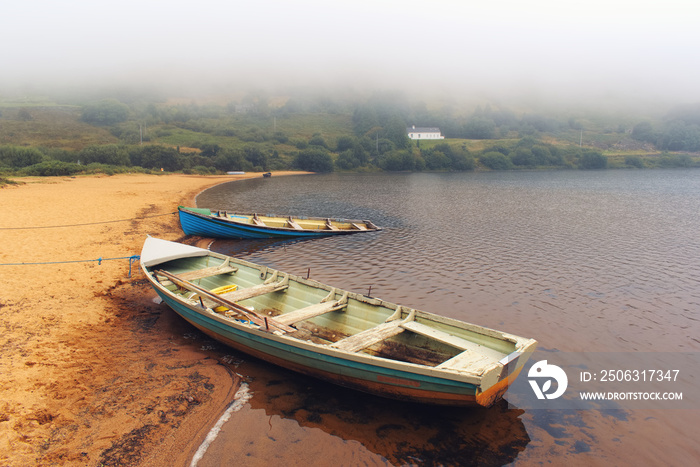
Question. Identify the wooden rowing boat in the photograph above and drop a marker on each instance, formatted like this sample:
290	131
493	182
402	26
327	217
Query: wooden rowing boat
343	337
224	224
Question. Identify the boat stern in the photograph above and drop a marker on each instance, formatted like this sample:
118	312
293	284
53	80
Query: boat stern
498	378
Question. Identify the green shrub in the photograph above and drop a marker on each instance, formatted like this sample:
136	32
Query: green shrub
593	160
437	160
634	161
667	160
18	157
398	160
314	160
300	143
347	160
496	161
52	168
108	154
317	140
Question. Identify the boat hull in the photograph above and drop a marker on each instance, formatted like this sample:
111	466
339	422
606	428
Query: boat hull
203	225
360	376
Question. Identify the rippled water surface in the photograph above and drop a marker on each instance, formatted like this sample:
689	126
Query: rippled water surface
580	261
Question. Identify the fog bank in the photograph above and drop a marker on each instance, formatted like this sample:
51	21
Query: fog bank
543	50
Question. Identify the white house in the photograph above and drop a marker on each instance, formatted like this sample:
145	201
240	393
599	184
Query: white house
424	133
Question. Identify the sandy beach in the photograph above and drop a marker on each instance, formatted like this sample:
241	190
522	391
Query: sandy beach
93	373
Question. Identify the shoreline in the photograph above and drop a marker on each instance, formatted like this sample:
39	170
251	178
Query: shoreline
94	371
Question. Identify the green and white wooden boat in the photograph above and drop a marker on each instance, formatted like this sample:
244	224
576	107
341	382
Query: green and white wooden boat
339	336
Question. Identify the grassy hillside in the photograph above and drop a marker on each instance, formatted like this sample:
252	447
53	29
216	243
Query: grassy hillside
51	127
370	135
60	127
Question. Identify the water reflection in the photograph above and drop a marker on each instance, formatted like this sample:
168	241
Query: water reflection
401	433
291	416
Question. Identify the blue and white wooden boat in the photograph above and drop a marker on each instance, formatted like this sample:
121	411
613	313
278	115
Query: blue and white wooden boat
224	224
339	336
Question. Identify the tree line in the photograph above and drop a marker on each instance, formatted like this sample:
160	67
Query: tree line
350	153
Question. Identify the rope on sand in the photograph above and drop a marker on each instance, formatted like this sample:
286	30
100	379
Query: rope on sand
132	259
89	223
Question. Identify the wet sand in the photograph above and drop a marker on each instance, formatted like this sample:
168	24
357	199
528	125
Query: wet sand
93	373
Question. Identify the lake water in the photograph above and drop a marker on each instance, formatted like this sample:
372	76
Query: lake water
605	261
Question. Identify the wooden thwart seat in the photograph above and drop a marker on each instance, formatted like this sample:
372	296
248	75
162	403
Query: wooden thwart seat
293	224
440	336
326	305
468	361
223	268
256	220
269	286
368	337
330	226
359	227
371	336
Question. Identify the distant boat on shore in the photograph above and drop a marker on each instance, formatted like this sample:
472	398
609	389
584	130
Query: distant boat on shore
343	337
224	224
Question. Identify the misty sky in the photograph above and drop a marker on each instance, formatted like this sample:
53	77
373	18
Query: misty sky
634	49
